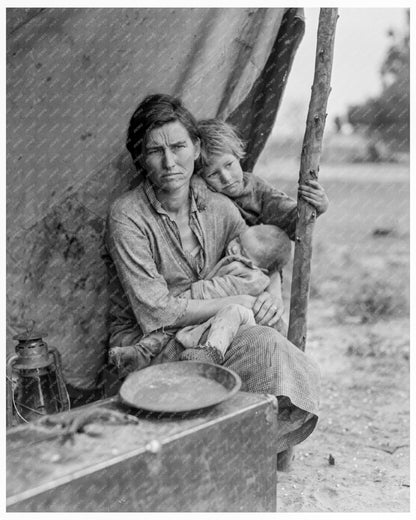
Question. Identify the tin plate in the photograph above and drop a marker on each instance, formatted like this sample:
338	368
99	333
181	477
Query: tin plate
180	386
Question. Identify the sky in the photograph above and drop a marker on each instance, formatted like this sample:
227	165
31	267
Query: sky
361	42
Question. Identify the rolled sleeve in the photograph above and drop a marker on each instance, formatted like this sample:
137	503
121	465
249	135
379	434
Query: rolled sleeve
280	210
261	202
152	303
229	285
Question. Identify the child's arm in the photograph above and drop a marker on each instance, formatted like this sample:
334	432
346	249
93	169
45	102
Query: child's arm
275	207
281	210
262	203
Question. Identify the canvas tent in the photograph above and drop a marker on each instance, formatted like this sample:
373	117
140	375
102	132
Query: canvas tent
74	77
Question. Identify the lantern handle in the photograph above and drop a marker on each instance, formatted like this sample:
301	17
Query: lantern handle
11	404
9	387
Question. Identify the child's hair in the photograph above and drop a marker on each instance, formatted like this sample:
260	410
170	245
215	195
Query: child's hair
218	138
268	246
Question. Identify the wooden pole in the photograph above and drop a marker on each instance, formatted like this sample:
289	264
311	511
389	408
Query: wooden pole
309	168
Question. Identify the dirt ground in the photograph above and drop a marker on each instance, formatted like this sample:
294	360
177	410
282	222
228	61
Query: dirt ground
357	459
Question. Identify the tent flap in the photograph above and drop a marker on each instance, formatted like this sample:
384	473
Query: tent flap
74	77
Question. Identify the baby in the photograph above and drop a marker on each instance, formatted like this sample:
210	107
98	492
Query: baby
267	246
260	249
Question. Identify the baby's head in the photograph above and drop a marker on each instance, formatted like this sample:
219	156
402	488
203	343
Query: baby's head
221	151
267	246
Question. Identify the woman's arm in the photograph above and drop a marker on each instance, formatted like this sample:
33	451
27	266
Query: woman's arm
154	306
268	305
147	291
198	311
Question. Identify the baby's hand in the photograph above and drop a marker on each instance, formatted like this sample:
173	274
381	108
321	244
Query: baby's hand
315	194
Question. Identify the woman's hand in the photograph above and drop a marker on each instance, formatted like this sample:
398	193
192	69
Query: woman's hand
267	309
315	194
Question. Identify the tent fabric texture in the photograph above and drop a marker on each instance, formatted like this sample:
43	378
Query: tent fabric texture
74	77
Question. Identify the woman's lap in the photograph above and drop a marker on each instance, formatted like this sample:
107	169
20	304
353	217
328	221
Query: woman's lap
264	359
268	363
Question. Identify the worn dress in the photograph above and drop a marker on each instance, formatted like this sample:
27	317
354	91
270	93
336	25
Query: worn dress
149	271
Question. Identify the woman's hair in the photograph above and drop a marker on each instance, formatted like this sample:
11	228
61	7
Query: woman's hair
155	111
218	138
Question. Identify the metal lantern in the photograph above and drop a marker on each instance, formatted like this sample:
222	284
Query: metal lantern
35	385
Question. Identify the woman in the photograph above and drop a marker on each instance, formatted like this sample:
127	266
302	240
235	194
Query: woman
163	239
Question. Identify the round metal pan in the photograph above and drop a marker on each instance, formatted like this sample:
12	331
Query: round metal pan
180	386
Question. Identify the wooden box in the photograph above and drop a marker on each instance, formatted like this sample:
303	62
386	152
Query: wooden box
222	459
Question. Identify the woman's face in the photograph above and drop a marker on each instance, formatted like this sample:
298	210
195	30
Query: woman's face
169	157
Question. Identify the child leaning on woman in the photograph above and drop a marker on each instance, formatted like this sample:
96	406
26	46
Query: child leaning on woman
259	203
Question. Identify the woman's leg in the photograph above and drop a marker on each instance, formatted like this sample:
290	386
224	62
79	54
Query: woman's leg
268	363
